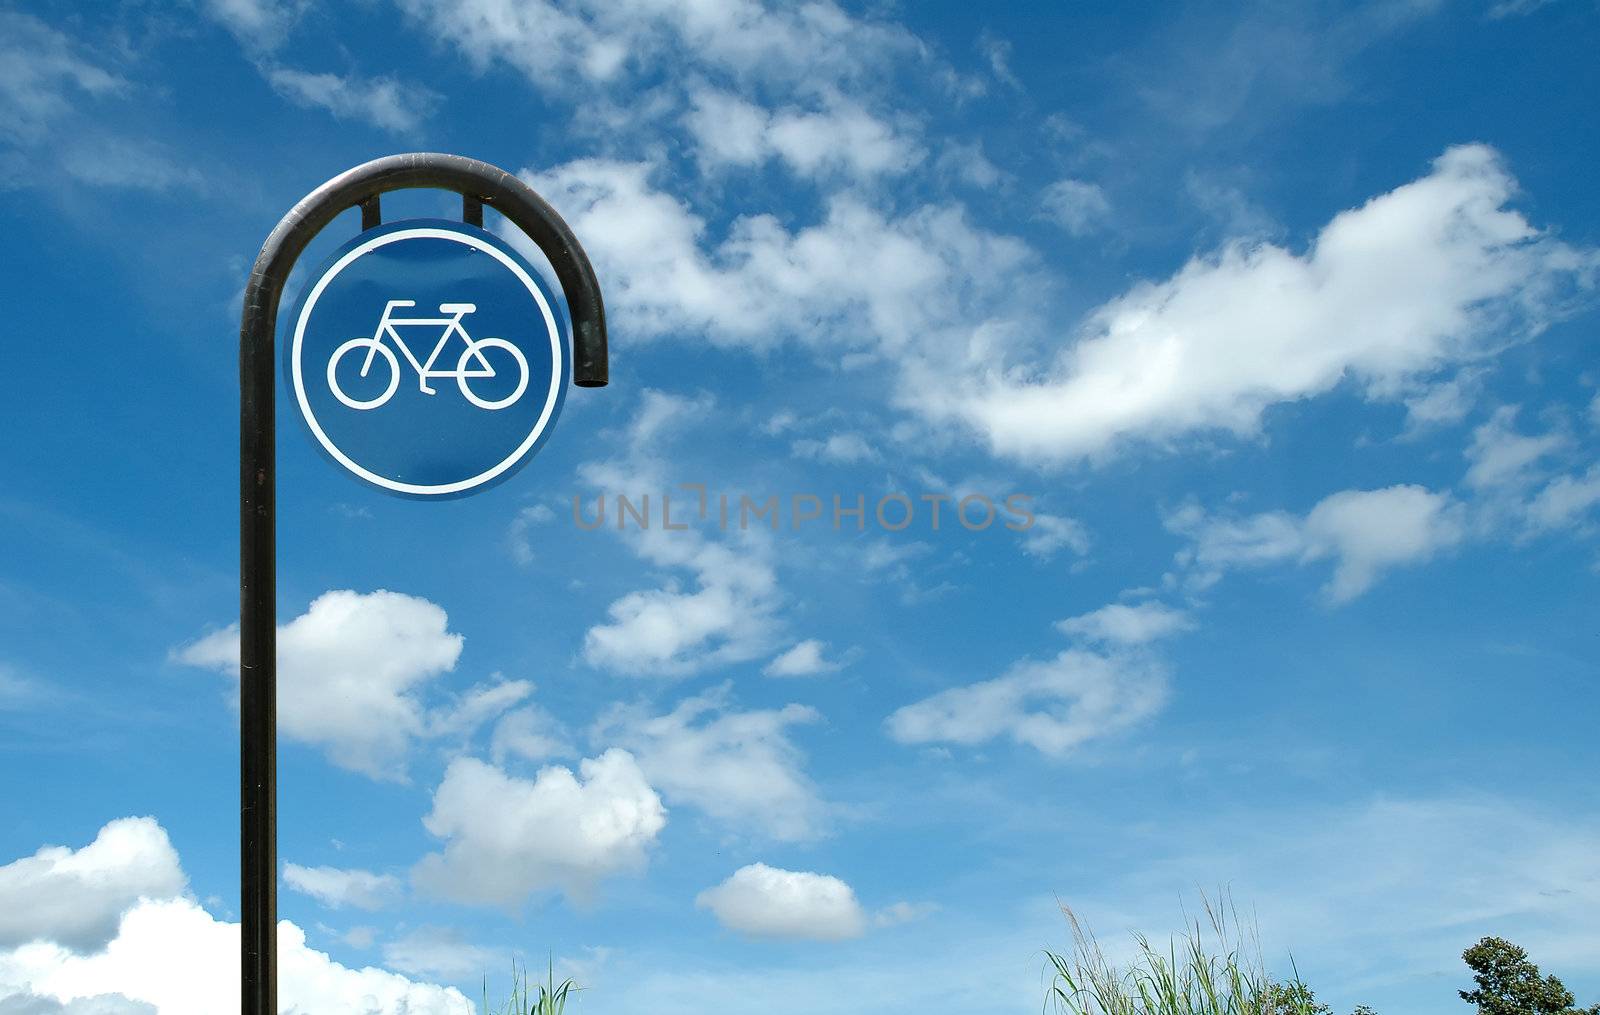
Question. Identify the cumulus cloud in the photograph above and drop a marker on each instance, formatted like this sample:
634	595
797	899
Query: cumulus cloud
1527	480
529	733
1122	624
438	951
336	888
350	670
258	25
507	838
76	898
855	280
1053	705
1565	500
478	705
1393	297
1500	455
173	955
567	45
162	951
1049	534
1364	533
838	137
845	448
386	103
725	618
804	659
762	901
1432	274
728	615
1078	206
740	768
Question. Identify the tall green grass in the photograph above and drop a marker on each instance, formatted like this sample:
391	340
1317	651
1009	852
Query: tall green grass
532	997
1212	969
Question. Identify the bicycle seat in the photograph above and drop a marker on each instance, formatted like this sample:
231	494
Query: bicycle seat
457	308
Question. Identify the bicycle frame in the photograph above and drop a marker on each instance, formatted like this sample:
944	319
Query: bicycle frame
386	326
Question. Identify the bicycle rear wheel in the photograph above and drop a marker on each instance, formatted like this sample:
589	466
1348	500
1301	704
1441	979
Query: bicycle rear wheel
492	381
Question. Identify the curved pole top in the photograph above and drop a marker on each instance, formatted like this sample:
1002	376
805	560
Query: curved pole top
473	179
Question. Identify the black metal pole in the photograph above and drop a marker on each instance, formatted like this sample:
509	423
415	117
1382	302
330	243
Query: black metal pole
479	184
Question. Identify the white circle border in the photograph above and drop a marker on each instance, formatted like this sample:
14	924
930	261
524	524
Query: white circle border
557	375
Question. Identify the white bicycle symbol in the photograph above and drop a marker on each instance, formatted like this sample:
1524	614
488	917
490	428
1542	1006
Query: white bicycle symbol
474	352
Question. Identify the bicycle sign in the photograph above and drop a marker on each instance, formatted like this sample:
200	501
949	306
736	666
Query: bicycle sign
388	328
390	320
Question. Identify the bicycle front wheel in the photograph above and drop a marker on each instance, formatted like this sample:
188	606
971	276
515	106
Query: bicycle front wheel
491	371
362	346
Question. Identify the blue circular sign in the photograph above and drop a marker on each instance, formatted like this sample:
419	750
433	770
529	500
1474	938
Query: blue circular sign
428	358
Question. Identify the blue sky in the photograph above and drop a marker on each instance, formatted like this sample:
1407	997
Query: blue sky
1281	317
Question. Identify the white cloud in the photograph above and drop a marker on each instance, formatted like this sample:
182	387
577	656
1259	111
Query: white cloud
1049	534
441	952
1078	206
336	888
360	937
258	25
520	535
897	913
174	955
1364	532
1565	500
729	130
100	1004
839	137
801	660
529	733
1516	8
762	901
132	165
844	138
1412	285
1501	456
570	46
728	616
857	280
1370	531
76	898
1054	705
1432	274
507	838
477	706
162	952
843	448
669	631
386	103
41	72
968	163
740	768
349	672
1121	624
1444	402
1519	478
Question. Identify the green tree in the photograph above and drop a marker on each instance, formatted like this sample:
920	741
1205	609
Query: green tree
1294	998
1508	983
